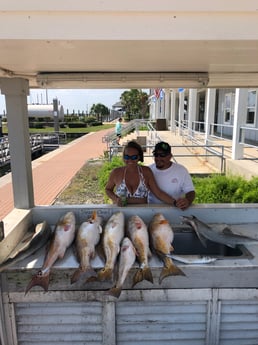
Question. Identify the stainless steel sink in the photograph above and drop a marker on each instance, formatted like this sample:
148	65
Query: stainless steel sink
186	242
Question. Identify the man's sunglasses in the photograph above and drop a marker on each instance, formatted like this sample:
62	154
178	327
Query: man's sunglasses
163	154
133	157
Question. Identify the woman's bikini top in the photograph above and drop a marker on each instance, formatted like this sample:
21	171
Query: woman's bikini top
141	191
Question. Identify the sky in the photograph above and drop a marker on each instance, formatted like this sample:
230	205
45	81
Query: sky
79	99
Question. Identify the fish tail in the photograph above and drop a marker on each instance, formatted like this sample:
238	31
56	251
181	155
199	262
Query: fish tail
83	274
38	280
105	274
170	270
142	274
114	291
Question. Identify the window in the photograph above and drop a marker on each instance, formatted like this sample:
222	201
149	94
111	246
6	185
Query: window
228	107
251	106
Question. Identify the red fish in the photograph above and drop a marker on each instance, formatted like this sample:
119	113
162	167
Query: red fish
138	233
161	238
87	238
112	237
126	261
63	237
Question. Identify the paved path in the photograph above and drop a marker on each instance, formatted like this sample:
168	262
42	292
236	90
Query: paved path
53	171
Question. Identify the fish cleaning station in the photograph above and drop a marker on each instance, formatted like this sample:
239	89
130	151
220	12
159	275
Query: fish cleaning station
205	291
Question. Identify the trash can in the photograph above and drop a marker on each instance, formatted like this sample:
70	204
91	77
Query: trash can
161	124
142	140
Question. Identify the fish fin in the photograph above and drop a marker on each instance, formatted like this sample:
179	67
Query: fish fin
38	280
227	231
164	221
83	274
105	274
94	215
170	270
142	274
114	291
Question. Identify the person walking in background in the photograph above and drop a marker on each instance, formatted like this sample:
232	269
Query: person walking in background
118	130
130	184
171	177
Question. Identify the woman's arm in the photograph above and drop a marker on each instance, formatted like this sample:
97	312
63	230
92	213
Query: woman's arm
109	189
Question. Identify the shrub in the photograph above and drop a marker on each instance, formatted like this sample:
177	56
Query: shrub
225	189
105	172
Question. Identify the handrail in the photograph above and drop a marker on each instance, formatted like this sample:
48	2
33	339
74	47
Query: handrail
136	124
37	143
209	151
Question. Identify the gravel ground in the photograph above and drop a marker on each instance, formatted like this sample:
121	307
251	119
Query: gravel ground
83	188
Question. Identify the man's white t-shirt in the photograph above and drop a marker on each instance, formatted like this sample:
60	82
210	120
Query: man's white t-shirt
175	181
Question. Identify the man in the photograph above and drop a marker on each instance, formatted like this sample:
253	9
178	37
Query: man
173	178
118	130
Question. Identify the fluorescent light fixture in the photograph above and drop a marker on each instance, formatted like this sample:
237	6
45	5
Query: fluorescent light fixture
233	80
122	80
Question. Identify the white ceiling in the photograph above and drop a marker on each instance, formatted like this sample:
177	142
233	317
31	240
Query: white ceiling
222	43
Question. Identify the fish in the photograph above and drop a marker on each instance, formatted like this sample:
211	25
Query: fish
39	238
87	237
111	240
215	233
138	233
192	259
62	238
126	260
161	238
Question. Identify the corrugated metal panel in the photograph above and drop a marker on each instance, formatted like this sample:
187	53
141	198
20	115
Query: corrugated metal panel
239	323
59	323
168	322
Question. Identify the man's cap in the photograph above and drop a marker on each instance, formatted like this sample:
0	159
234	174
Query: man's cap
162	146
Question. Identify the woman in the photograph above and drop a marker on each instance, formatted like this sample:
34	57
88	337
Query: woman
131	183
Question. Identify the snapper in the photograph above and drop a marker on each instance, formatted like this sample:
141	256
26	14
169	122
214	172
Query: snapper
161	238
87	237
138	233
62	238
126	260
112	237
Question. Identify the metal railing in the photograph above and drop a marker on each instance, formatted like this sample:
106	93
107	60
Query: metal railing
208	151
134	125
38	142
247	135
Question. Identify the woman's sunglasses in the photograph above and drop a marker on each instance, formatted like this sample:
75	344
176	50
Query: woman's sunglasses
163	154
133	157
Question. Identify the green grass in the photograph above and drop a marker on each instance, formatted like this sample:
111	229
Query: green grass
66	130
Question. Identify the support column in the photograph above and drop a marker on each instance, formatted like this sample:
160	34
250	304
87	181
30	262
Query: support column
209	112
167	105
181	110
173	111
16	91
192	110
239	120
